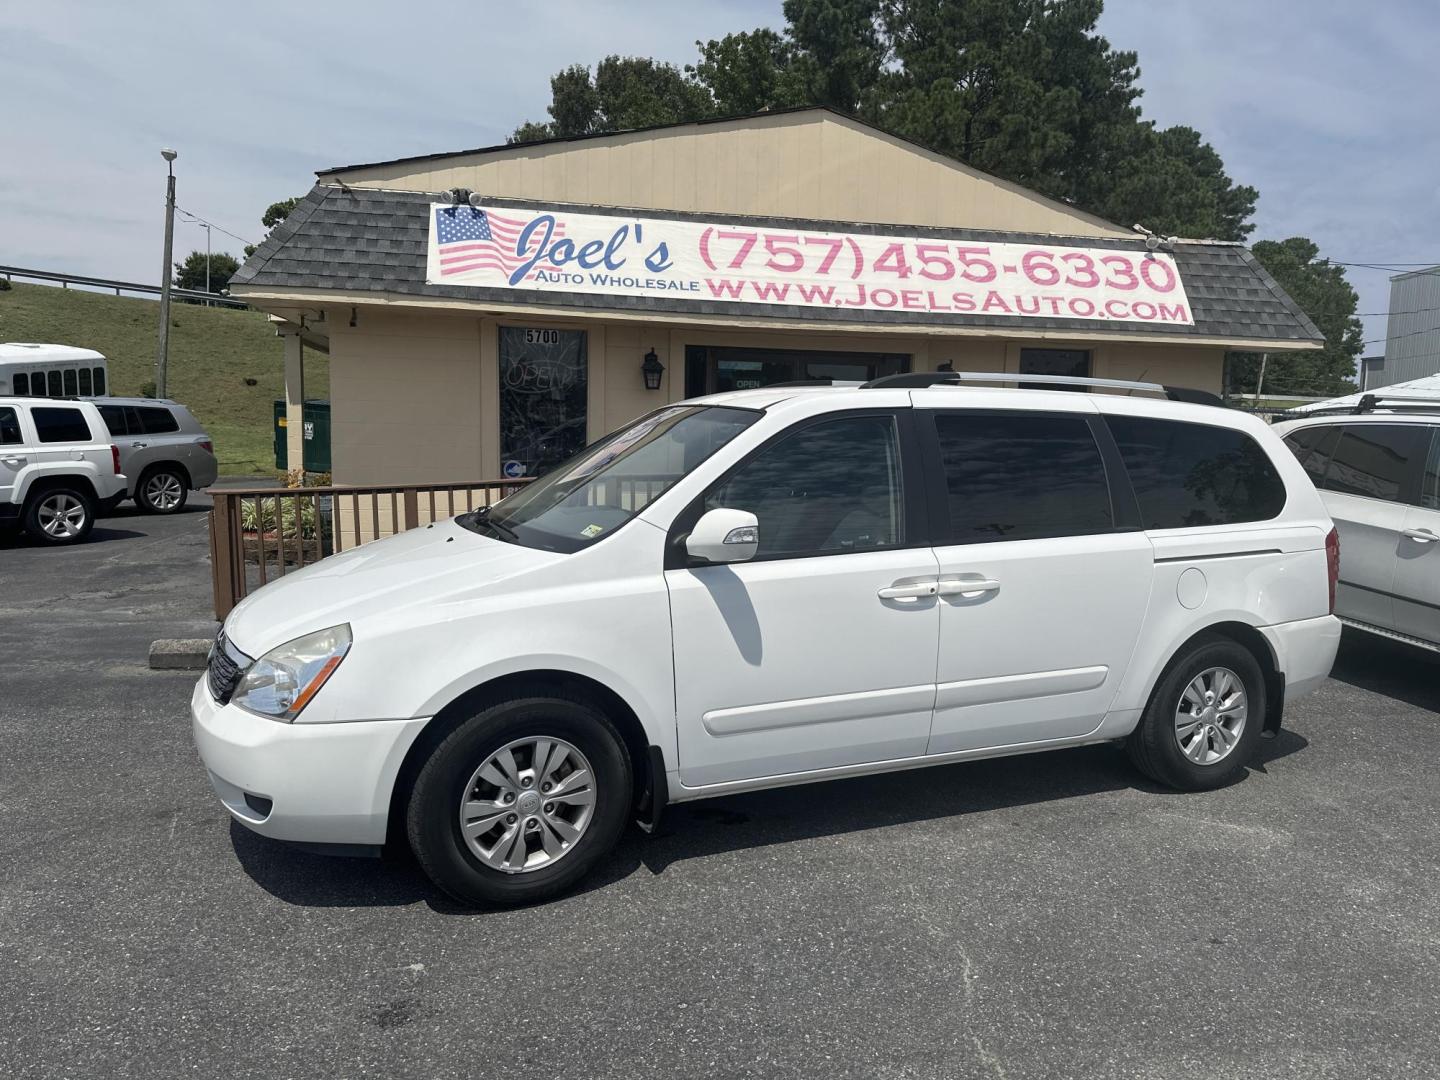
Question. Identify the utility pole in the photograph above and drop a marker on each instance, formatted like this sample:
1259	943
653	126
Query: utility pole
1259	382
207	260
162	354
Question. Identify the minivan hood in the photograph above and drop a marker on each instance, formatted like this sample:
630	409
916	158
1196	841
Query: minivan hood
438	563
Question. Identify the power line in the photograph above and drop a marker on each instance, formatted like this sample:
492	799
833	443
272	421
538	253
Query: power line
217	228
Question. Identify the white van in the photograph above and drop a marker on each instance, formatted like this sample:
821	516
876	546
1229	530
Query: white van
28	369
771	587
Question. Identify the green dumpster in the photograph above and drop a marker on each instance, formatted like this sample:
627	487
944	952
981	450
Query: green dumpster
282	450
316	416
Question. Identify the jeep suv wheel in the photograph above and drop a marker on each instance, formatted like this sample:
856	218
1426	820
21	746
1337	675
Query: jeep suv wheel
59	515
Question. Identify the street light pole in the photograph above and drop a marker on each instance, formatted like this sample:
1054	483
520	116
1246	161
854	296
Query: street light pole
162	355
207	261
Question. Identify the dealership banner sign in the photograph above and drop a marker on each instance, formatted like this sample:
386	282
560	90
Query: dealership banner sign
564	252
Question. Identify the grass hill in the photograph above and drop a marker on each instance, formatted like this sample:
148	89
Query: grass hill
213	351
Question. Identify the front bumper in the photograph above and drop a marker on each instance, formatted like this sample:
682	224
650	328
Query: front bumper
324	783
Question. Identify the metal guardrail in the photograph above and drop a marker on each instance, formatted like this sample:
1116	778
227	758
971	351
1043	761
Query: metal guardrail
66	280
259	534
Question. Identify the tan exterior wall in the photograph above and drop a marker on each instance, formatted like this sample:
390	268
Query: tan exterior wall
414	396
804	165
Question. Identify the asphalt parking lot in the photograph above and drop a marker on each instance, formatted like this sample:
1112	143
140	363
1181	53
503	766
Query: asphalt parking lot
1042	917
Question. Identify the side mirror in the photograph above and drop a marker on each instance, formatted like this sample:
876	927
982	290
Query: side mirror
724	536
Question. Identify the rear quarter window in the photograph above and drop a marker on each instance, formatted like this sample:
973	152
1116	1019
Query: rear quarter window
57	425
1187	475
157	421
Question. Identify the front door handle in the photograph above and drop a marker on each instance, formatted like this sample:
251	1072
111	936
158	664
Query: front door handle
909	590
972	585
1424	536
13	462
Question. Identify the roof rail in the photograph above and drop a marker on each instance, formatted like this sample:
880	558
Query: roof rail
951	378
1372	402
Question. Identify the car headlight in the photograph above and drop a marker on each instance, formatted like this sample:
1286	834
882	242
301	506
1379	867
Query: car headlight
283	681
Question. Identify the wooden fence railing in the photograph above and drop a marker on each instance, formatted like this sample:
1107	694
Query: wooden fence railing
259	534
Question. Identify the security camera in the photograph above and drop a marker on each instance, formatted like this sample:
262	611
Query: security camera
1152	242
476	199
458	195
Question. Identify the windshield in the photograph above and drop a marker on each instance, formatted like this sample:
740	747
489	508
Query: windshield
588	497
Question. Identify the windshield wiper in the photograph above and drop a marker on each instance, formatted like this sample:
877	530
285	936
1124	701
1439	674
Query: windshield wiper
481	521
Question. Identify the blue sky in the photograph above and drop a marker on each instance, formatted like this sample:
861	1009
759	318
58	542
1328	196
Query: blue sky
1326	106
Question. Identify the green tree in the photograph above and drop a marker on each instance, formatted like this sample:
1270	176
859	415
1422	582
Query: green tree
1024	89
1322	290
625	92
190	274
274	214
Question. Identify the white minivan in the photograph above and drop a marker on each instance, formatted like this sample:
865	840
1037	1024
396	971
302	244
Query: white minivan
779	586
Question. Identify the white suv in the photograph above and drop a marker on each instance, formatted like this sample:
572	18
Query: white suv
775	587
58	467
1377	465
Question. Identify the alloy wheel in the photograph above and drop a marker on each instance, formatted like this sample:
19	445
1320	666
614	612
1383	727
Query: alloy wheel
528	805
61	515
163	491
1210	716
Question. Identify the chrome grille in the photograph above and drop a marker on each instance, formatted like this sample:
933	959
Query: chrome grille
225	667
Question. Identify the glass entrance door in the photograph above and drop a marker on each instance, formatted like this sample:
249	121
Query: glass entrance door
542	398
711	369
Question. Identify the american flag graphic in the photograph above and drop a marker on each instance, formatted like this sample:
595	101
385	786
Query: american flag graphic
467	238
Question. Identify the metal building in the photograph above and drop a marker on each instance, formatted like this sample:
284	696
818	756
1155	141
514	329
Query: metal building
1412	332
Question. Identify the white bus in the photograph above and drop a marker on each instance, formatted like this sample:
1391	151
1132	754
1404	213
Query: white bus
30	370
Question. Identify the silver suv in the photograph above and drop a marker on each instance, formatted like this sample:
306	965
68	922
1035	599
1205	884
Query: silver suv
1377	465
163	450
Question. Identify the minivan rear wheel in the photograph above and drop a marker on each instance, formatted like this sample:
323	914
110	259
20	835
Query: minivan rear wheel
162	490
1203	721
520	801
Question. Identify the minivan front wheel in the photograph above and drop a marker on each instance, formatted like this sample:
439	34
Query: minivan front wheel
520	801
1203	721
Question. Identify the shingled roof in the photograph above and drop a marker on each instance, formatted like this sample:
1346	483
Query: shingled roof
366	240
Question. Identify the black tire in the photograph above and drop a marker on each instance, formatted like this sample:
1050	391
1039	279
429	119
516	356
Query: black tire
1154	747
168	475
433	816
76	502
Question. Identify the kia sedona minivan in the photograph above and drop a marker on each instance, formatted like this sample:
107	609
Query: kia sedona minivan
779	586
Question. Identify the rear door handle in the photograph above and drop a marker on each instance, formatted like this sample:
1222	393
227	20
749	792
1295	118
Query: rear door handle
909	590
1424	536
972	585
139	445
13	462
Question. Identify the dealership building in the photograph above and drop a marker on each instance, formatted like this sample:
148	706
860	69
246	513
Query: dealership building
488	312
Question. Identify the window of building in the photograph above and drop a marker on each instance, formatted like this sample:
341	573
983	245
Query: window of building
1021	476
711	369
99	382
53	381
157	421
72	386
830	488
1373	459
1187	475
9	428
542	398
1069	362
20	384
1312	447
60	425
86	386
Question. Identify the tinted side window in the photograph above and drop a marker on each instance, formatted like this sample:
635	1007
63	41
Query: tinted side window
1372	459
20	384
99	382
156	421
71	386
86	386
1021	476
1194	474
52	380
1312	447
114	417
61	425
9	427
829	488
